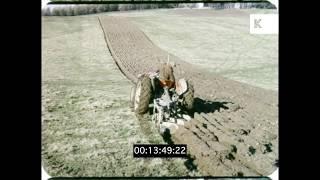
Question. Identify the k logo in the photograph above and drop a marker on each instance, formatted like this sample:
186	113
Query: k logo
257	23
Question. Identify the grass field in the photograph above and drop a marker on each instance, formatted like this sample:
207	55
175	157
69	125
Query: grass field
218	41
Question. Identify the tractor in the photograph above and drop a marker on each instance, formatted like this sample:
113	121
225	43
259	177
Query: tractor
170	102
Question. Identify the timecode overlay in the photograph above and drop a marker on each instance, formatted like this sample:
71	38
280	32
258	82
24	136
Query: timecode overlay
159	150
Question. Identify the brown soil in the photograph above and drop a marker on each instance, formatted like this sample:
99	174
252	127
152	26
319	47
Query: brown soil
235	126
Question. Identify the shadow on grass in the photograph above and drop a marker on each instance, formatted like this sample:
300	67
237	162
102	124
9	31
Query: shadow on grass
167	137
189	163
205	106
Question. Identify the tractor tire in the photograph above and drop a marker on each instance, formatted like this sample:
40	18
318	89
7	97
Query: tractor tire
188	97
143	92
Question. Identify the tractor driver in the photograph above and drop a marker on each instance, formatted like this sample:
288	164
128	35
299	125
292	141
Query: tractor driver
166	75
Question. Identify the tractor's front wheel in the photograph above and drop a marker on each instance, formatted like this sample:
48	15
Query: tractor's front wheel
142	97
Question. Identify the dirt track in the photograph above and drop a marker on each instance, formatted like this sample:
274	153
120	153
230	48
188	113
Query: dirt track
235	126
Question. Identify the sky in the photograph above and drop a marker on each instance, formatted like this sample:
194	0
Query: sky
43	3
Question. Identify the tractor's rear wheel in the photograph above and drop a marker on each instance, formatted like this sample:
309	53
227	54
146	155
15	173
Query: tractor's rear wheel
142	97
188	97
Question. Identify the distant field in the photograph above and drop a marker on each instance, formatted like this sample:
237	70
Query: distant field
216	40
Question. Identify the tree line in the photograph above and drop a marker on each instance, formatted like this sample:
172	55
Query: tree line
74	10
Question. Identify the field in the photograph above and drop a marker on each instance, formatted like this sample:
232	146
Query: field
88	127
217	41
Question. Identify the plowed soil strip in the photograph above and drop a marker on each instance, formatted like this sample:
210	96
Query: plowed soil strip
234	130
